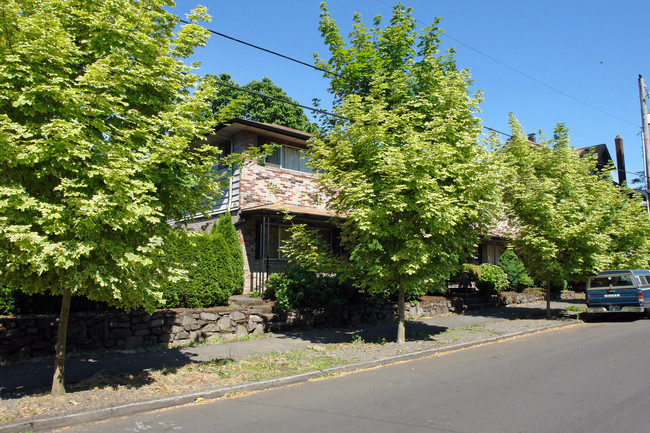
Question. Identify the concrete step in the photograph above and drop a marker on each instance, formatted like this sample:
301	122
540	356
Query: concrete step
268	317
261	309
246	301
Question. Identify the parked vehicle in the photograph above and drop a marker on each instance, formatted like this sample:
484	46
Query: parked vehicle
621	291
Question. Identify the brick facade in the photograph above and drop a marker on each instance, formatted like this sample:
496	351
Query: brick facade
268	184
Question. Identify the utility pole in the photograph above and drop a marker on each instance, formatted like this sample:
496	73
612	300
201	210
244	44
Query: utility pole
646	140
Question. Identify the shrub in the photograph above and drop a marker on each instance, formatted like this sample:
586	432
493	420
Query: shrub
488	278
236	256
297	287
526	282
208	282
514	269
7	301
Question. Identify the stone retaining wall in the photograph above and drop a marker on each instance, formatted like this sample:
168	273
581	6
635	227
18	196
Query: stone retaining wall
513	298
23	337
28	336
354	315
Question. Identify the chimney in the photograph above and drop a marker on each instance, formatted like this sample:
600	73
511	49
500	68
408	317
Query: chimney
531	138
620	160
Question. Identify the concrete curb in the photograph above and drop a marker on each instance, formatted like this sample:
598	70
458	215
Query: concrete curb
47	424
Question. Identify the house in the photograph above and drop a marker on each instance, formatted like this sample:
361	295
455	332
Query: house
603	157
259	193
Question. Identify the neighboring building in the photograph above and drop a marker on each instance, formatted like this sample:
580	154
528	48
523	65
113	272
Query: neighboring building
259	192
494	244
603	157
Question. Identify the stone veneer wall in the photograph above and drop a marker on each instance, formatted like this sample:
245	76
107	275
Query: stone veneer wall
23	337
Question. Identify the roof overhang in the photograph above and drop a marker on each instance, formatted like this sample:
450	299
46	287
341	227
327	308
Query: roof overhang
281	133
298	211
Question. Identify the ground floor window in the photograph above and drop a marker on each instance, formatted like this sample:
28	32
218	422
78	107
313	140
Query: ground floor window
279	233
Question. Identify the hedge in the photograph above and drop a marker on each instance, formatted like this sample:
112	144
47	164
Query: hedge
208	282
236	255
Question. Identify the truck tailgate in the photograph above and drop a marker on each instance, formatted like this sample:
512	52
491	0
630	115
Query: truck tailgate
613	300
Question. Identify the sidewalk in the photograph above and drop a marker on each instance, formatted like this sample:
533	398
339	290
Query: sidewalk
505	322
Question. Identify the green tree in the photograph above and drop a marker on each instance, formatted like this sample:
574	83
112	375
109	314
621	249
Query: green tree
229	103
569	221
513	267
225	227
627	224
404	169
98	127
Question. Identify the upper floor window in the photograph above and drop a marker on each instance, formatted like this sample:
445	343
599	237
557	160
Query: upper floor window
225	149
288	157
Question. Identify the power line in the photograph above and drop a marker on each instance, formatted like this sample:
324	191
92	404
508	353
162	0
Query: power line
641	174
275	53
559	36
266	50
523	74
497	131
316	110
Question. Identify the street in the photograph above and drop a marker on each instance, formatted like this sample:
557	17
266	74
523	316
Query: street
585	378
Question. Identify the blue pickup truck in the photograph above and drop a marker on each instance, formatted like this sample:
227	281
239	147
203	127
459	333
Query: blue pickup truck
623	291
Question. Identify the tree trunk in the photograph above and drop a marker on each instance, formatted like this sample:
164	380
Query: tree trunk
58	387
401	330
548	298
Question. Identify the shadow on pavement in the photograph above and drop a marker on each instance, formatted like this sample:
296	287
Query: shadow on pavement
513	313
382	332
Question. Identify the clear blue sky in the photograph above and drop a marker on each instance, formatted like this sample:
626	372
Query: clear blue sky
548	61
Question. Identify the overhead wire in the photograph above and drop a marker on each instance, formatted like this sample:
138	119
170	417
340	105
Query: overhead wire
523	74
565	40
316	110
300	62
275	53
266	50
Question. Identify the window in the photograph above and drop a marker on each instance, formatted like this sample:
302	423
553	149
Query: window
294	159
278	234
225	149
287	157
612	281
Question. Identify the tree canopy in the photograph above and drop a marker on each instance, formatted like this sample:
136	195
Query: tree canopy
570	221
98	133
228	103
404	170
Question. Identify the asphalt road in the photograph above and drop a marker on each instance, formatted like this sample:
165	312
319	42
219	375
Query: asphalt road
587	378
